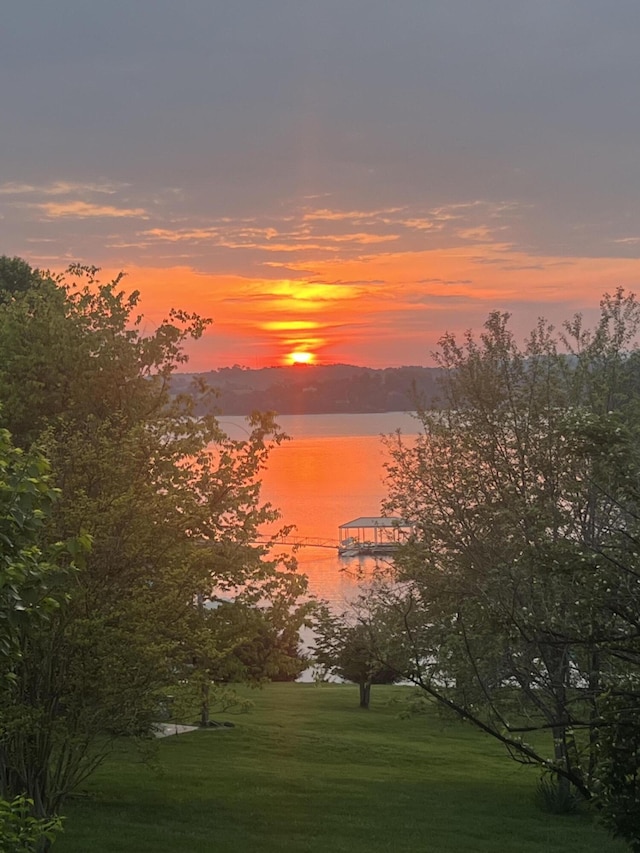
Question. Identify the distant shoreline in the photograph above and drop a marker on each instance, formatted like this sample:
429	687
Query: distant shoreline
337	389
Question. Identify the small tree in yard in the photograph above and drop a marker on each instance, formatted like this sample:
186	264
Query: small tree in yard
247	639
359	646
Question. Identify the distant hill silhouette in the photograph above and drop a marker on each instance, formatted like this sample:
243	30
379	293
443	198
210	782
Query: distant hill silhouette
314	389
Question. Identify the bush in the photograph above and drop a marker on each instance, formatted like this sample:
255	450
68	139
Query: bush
552	797
618	796
20	831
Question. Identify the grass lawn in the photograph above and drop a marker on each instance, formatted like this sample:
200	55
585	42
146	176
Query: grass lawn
307	771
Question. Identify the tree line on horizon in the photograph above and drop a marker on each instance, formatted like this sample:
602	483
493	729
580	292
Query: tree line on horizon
313	389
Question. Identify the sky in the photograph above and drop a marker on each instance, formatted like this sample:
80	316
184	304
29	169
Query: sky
348	179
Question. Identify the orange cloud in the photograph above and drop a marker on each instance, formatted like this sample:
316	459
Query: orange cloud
60	188
379	307
84	210
288	325
326	214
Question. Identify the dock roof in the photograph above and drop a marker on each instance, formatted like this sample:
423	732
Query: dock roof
374	521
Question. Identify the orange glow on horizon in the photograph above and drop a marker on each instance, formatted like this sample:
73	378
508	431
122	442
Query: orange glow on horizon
289	325
379	309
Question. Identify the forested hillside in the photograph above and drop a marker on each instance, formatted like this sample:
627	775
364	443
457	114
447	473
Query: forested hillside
313	389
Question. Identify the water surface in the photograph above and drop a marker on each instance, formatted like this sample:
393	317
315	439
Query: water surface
330	472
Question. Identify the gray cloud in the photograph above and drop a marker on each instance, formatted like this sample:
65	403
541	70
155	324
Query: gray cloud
242	105
265	139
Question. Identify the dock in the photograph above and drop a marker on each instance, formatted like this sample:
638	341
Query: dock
372	535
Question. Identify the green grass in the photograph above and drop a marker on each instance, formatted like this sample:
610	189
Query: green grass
307	771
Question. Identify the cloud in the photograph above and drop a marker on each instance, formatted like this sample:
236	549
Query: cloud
508	259
431	299
315	233
71	200
362	239
476	221
60	188
294	241
232	235
359	216
354	282
444	281
477	234
289	325
86	210
423	224
246	298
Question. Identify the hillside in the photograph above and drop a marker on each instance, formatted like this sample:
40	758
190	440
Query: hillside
315	389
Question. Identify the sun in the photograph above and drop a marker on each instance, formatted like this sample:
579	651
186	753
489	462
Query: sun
301	357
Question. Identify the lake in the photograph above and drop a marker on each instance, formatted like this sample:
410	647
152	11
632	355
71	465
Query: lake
330	472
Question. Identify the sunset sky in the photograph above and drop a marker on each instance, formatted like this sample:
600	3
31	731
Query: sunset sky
343	178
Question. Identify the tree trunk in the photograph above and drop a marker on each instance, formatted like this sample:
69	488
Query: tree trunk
204	703
594	735
561	758
365	693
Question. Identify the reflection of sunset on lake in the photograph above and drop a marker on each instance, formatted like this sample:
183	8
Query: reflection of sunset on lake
321	479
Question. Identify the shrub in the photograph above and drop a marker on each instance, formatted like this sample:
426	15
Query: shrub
20	831
554	798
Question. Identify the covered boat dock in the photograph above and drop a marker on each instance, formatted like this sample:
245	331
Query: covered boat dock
372	535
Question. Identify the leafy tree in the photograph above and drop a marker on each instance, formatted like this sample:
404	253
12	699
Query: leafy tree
360	645
521	618
27	575
262	644
241	640
16	276
234	642
171	503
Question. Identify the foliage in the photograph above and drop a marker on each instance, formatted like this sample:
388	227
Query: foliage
618	787
239	640
317	388
16	276
20	832
28	600
521	493
260	643
26	573
359	645
171	503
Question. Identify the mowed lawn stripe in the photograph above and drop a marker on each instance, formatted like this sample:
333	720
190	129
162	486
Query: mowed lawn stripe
307	771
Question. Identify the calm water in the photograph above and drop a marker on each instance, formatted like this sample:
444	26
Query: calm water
329	473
